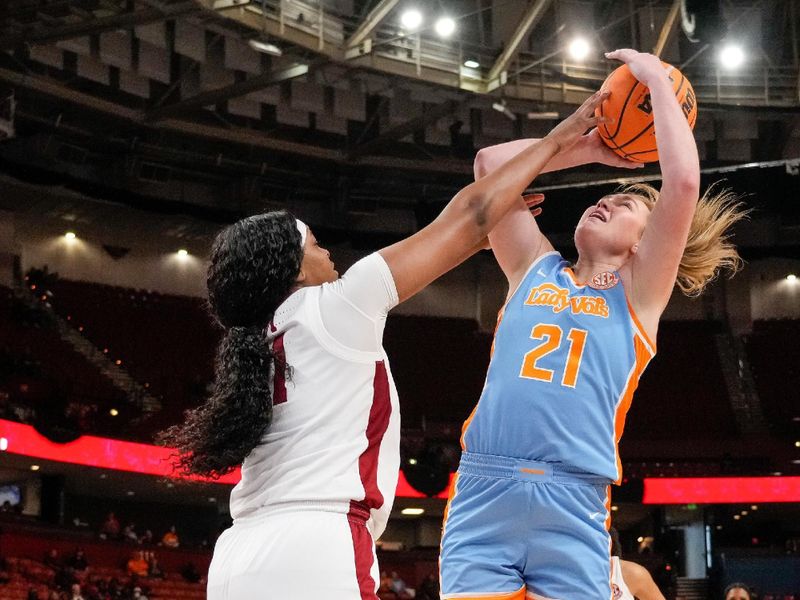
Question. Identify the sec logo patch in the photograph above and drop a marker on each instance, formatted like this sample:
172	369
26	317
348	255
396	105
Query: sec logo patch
604	280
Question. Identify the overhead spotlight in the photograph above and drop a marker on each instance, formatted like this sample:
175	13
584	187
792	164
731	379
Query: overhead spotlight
113	412
471	64
3	444
503	108
412	511
411	19
265	47
615	508
69	236
791	277
34	467
640	539
731	56
445	27
579	48
183	253
736	517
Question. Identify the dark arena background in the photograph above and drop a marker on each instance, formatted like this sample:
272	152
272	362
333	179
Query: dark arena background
133	130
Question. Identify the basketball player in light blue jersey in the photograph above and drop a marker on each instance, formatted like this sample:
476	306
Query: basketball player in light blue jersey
529	511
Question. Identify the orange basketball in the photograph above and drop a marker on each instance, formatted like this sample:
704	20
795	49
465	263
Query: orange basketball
631	134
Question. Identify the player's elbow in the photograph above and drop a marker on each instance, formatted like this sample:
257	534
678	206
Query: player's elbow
472	207
479	166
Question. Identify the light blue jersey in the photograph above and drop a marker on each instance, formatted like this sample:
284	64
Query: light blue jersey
565	362
530	507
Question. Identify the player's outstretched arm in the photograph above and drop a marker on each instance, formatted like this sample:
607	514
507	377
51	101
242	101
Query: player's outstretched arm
654	267
460	230
517	240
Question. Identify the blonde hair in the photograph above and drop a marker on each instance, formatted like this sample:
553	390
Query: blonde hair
708	248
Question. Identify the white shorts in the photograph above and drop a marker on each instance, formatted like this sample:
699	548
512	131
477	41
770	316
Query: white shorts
298	555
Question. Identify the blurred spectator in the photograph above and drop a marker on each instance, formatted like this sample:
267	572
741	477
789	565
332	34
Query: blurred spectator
129	533
737	591
137	565
75	592
154	569
52	559
147	538
190	574
386	583
170	539
110	527
398	586
138	595
79	565
429	588
6	506
5	575
32	594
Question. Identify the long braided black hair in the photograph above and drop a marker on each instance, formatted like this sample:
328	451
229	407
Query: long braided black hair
254	264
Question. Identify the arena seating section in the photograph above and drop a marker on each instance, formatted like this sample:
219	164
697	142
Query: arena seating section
25	547
772	353
57	365
439	364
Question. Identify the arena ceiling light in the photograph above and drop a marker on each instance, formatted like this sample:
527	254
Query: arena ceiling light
411	19
503	108
445	26
579	48
265	47
412	511
471	64
731	56
69	236
791	278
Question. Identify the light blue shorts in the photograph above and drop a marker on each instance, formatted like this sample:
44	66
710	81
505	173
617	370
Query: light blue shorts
515	528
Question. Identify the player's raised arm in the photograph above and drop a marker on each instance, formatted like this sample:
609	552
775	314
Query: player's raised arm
517	240
654	267
460	230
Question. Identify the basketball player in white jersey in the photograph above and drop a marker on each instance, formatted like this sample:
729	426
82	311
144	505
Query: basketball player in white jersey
303	397
629	580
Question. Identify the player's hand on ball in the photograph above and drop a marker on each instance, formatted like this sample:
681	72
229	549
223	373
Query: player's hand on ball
594	150
645	67
570	130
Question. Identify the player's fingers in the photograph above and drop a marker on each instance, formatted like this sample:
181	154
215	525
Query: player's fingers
536	212
533	199
623	54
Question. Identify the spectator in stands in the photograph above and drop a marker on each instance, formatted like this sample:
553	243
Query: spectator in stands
137	565
398	586
5	574
170	539
52	559
429	588
6	506
190	574
75	592
129	533
110	527
147	538
138	594
737	591
32	594
79	565
154	570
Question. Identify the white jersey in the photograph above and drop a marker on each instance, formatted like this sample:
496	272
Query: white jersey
618	585
334	440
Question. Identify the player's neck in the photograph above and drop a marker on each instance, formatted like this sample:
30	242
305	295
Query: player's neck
585	268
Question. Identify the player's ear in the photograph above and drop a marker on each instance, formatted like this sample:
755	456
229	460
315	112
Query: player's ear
635	248
301	277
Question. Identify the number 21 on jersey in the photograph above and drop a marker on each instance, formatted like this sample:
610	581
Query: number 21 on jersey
552	337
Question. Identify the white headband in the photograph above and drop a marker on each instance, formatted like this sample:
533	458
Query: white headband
303	229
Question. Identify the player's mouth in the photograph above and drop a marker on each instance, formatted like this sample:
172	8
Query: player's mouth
598	214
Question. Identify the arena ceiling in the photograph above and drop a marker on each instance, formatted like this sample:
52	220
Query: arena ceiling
360	123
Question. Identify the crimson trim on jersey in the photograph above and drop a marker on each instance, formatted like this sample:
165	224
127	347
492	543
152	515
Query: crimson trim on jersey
377	425
279	382
362	549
